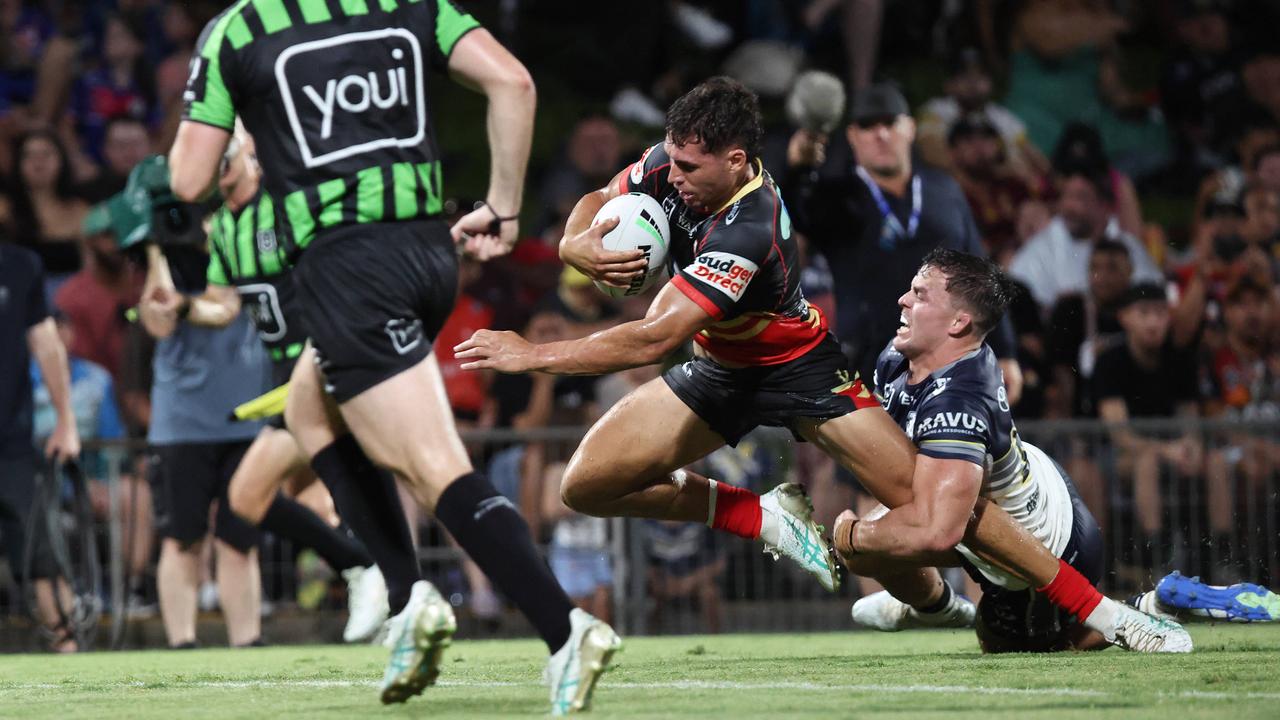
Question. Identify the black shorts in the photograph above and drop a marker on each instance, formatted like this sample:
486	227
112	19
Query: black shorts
17	490
1025	620
374	298
186	478
733	401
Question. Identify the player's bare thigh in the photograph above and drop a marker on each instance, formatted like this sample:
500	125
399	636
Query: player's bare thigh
405	425
640	441
311	415
869	444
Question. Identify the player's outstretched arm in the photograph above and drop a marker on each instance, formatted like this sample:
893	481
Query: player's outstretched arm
672	319
933	522
581	245
482	63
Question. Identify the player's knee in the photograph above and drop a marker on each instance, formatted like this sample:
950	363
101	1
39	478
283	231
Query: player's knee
244	501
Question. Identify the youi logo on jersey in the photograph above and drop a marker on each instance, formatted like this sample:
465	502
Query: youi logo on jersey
724	271
353	93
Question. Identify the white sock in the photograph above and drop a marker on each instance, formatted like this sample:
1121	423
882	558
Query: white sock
711	500
1103	618
770	532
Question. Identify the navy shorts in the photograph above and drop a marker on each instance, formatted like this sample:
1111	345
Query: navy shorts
734	401
1025	620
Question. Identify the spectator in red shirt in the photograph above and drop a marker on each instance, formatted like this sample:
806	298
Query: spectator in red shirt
467	390
96	298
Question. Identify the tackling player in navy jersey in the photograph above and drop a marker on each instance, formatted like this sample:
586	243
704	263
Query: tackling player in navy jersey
764	356
942	385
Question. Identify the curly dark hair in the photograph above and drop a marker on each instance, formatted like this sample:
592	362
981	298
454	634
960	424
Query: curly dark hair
720	113
976	284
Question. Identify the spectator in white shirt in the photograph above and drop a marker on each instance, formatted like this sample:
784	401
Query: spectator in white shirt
1055	261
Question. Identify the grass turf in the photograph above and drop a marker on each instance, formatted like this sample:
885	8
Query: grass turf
1234	672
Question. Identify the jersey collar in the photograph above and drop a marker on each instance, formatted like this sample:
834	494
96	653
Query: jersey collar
747	189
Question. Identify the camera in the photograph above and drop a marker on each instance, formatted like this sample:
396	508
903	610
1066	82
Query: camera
176	223
147	211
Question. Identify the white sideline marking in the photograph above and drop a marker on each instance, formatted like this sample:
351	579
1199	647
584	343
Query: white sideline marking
671	685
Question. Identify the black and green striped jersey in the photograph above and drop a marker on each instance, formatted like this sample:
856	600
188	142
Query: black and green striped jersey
244	252
334	94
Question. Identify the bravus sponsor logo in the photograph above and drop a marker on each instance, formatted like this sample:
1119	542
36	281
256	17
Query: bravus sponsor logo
952	421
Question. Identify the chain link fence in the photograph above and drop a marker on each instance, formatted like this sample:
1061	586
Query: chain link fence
1202	497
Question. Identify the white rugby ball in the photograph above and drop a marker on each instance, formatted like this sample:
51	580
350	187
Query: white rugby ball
641	225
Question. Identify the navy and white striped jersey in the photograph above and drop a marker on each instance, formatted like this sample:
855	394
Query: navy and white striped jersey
961	412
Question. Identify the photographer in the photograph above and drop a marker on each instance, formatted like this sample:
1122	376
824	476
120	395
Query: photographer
27	331
199	374
877	219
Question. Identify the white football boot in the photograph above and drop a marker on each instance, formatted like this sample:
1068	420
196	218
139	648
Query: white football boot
366	603
882	611
1138	631
417	638
788	529
574	669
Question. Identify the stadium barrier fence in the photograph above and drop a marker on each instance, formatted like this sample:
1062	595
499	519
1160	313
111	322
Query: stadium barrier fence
1198	496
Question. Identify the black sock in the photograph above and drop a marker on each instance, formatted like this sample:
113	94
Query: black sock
290	519
941	603
366	498
497	538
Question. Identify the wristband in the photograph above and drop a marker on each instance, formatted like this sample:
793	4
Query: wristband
495	225
849	543
184	308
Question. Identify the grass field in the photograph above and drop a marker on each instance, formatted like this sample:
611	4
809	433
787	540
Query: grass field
1234	672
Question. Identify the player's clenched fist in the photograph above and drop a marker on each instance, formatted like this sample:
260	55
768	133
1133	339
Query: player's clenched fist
500	350
586	252
483	234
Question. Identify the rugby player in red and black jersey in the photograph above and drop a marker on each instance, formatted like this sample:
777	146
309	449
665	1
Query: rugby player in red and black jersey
764	356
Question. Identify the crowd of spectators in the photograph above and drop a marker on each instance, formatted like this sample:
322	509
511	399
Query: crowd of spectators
1142	215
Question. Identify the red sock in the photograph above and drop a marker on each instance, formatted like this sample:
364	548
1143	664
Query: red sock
737	510
1072	592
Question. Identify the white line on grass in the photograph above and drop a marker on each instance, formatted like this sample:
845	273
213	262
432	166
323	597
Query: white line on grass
669	685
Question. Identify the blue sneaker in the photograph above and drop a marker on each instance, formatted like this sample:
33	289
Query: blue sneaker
1242	602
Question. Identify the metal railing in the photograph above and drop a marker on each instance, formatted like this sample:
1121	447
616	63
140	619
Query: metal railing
1202	497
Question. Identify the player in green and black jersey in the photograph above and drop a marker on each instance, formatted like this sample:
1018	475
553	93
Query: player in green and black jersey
335	94
248	270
